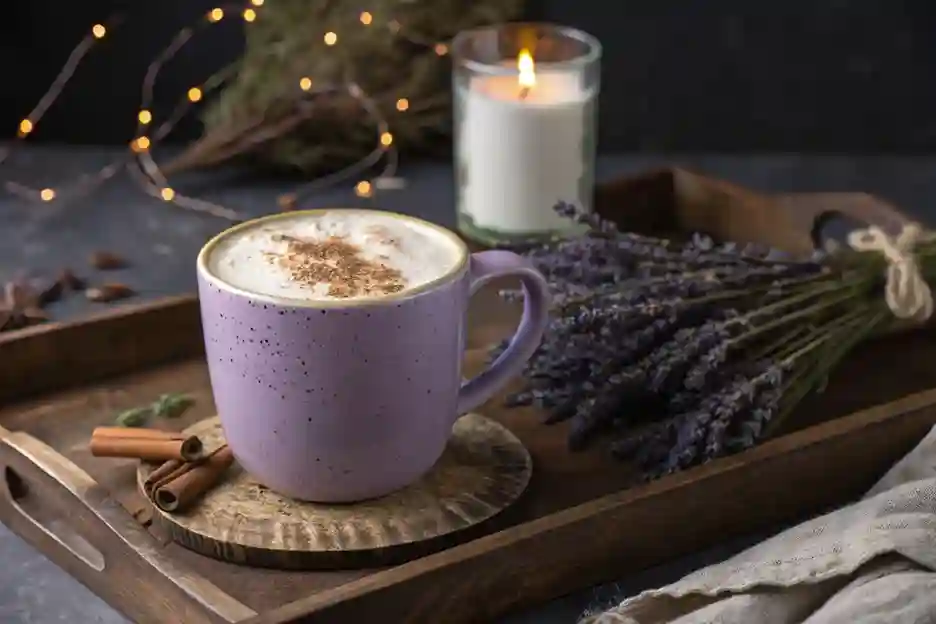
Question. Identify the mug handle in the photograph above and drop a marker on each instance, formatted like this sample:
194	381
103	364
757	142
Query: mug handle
489	265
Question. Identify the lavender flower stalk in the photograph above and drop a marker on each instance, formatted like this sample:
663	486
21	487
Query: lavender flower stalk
684	351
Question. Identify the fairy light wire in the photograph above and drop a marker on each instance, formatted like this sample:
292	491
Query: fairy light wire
28	124
97	32
382	152
155	182
138	159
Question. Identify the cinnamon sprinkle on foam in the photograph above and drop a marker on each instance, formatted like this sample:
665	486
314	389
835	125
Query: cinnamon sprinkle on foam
337	264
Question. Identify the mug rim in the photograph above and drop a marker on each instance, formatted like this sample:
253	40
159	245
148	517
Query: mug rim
205	273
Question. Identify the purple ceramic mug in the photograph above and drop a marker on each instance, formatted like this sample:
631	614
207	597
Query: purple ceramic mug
334	401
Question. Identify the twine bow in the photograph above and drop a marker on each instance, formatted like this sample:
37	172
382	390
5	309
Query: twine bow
906	292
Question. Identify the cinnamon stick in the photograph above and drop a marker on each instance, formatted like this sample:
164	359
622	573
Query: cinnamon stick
136	432
195	479
158	476
148	445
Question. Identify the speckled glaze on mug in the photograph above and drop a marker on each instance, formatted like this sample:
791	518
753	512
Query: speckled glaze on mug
334	401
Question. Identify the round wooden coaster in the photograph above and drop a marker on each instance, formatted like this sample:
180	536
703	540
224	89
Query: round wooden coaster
483	470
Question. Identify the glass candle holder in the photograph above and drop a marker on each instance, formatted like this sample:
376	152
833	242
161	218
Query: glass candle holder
525	98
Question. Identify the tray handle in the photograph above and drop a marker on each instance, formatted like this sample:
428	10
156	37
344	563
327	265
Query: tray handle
811	212
676	199
61	510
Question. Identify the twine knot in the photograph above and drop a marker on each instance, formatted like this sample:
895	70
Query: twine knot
906	292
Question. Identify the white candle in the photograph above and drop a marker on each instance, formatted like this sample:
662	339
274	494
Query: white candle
522	150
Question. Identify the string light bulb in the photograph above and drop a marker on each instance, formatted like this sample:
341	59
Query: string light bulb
256	2
141	144
363	189
151	174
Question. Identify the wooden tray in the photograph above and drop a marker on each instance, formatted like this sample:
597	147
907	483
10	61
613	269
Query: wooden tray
574	527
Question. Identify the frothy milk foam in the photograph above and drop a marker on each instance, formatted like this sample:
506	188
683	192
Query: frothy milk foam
334	255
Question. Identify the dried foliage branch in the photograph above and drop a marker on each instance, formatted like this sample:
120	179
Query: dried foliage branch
400	53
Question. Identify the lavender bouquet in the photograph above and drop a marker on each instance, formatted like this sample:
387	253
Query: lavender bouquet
682	352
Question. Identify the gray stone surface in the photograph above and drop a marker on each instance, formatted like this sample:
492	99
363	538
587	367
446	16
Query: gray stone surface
33	590
162	241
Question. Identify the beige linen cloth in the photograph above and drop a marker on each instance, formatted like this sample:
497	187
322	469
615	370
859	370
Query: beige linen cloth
873	562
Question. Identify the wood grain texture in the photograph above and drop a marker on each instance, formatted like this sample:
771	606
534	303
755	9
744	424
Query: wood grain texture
677	200
52	502
578	523
91	349
484	469
633	529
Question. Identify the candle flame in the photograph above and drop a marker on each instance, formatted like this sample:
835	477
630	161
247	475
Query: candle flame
527	76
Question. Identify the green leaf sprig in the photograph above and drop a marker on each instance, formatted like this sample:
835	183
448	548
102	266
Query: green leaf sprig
171	405
134	417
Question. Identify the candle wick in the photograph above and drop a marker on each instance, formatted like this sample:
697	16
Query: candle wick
524	92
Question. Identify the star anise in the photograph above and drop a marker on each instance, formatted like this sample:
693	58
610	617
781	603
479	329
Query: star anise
21	305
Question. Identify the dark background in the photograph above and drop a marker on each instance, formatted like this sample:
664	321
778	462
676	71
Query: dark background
794	76
680	75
